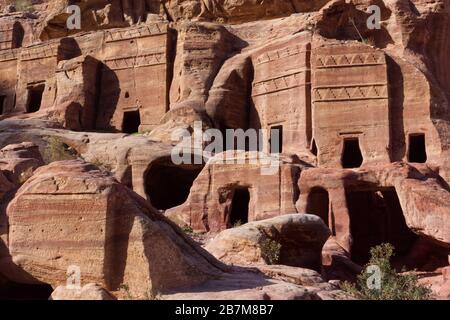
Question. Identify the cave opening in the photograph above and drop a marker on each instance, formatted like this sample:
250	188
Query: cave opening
168	185
376	217
18	291
2	104
239	207
131	122
35	94
319	203
351	155
68	49
18	35
417	149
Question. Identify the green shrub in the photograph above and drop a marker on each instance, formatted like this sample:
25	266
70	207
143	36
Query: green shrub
57	150
270	251
393	286
187	229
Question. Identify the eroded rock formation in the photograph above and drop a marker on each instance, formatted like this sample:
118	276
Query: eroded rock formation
361	118
300	238
115	240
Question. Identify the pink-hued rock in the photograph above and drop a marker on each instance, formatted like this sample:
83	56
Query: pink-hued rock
91	291
72	214
363	115
269	181
18	161
438	281
422	197
72	220
294	240
251	286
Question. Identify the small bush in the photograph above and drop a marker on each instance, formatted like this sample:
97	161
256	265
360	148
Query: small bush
57	150
187	229
393	286
270	251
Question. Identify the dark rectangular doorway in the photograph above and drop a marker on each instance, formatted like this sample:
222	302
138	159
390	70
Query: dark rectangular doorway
2	104
239	207
376	217
35	94
131	122
417	148
276	139
319	204
351	155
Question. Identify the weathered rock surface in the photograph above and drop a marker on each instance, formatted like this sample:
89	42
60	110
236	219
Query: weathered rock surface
18	161
91	291
250	286
269	181
422	196
299	239
439	282
70	216
70	213
337	263
363	117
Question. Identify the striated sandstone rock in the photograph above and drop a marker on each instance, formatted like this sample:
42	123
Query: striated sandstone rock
349	102
118	239
228	96
117	235
301	238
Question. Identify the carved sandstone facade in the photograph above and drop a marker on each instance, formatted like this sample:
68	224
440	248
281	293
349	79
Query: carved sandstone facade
360	125
115	85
